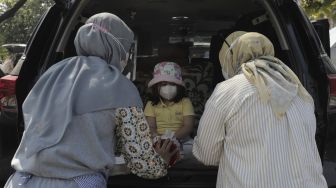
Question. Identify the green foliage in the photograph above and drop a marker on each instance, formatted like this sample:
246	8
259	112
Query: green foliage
3	51
318	9
18	29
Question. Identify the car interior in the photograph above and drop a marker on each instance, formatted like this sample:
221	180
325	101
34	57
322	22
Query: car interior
187	32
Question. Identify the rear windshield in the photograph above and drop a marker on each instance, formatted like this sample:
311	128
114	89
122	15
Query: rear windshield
190	36
189	33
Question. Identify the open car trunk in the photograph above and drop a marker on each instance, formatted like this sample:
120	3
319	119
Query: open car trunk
190	33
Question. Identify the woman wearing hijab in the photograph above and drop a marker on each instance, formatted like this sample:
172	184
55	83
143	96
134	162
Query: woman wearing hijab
82	111
259	125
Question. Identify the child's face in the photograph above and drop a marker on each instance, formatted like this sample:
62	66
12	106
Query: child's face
167	90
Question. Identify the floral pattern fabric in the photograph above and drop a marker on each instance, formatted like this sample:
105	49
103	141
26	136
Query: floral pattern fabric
166	71
135	144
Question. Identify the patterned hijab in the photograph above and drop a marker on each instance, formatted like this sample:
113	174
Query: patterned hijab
82	84
253	54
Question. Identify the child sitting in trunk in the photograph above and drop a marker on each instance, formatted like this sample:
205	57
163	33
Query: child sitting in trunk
169	110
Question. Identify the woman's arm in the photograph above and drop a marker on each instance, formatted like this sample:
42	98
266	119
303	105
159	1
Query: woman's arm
186	129
151	119
208	144
135	144
152	125
188	119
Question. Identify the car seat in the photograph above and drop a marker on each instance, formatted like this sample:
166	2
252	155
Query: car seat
252	22
197	74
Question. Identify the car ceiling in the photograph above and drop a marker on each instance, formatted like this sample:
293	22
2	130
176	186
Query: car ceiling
202	14
153	21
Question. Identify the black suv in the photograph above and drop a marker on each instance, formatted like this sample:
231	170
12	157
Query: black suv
190	33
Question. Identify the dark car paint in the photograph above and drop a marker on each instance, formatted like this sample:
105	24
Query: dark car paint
312	69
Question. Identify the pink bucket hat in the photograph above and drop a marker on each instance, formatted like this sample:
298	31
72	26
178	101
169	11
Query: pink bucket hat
167	72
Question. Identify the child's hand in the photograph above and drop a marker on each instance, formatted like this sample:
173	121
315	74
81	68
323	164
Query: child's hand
167	150
154	135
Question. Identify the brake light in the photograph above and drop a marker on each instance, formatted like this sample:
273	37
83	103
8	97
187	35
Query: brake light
7	94
7	86
332	89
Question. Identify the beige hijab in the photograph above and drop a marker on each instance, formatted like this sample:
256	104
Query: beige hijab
253	54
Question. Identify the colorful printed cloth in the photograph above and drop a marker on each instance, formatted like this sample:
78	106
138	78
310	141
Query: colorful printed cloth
135	144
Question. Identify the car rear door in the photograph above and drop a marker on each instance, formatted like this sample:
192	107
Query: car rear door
37	50
40	48
318	73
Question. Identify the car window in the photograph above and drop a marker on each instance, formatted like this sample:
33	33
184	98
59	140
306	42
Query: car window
317	14
332	34
16	30
13	53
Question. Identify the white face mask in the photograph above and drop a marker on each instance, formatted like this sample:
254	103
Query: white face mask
123	63
225	66
168	91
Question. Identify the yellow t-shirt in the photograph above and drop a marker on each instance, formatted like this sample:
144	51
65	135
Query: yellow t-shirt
169	116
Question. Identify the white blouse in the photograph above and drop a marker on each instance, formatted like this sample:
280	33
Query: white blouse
254	148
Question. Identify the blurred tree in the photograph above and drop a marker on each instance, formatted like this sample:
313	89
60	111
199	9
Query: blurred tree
18	28
318	9
11	12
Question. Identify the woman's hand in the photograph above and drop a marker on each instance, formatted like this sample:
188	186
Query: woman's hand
164	149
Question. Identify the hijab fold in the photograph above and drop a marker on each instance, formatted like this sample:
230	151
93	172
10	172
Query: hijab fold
253	55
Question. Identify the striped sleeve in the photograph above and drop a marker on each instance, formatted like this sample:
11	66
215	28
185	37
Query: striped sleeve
209	142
